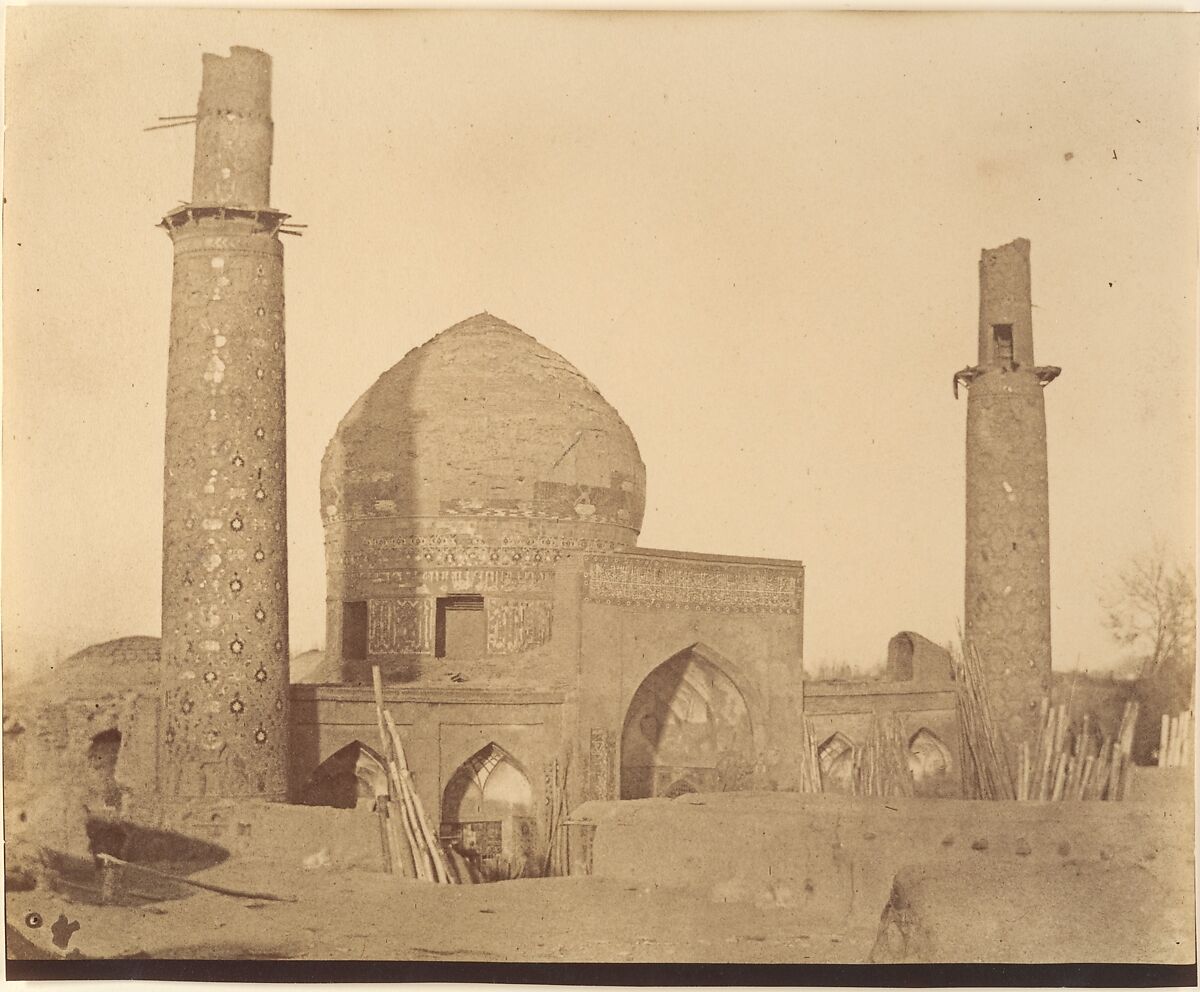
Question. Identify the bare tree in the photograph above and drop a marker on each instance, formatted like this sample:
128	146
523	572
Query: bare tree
1151	609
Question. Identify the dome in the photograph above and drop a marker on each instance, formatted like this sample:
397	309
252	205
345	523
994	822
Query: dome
111	668
483	421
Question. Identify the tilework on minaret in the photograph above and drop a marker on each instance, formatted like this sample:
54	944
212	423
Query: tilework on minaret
223	726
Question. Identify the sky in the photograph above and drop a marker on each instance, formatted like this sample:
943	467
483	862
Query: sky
757	234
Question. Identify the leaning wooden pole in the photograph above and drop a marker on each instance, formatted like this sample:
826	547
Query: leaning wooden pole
411	797
397	808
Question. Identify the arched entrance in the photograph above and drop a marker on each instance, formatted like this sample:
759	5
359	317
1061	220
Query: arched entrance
488	814
687	730
348	778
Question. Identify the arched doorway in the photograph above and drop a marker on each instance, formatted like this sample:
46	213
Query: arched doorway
687	730
488	814
350	777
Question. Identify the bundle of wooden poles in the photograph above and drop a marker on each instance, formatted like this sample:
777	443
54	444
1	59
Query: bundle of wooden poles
554	861
810	762
881	766
1176	746
878	768
1064	764
411	843
981	737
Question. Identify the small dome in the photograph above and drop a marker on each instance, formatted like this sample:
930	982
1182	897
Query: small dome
111	668
483	421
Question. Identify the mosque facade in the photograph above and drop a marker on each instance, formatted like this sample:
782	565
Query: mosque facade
481	505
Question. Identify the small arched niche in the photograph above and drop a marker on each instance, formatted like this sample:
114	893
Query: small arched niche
349	778
102	755
488	815
835	757
931	764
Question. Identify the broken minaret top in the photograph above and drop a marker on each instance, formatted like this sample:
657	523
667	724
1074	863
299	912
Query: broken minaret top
1005	307
234	131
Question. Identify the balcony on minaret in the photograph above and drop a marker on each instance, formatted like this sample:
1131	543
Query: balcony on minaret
1005	317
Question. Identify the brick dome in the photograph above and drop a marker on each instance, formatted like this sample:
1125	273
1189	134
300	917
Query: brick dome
483	421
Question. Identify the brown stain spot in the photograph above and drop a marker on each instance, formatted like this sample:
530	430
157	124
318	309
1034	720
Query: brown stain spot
62	930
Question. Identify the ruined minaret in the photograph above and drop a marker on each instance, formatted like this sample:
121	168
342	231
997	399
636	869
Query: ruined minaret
223	728
1007	608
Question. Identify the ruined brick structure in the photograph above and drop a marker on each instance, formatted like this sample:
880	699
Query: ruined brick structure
1007	605
224	657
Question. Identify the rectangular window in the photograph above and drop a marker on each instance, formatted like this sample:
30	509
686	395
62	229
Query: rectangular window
354	631
461	627
1002	337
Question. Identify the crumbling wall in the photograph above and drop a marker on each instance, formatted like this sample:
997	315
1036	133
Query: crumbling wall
911	656
302	837
52	727
1069	909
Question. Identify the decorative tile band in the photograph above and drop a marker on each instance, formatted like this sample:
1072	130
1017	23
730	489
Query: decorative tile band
713	587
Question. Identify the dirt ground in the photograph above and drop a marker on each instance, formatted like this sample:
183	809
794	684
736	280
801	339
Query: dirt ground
360	915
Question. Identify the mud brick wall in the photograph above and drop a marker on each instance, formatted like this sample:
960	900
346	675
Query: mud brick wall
835	859
330	839
49	727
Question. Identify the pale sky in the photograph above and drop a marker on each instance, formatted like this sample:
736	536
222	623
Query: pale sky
756	234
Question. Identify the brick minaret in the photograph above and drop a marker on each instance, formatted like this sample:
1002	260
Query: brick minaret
223	732
1007	607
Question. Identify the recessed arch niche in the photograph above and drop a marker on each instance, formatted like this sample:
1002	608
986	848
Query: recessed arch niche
102	755
835	757
931	764
687	730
